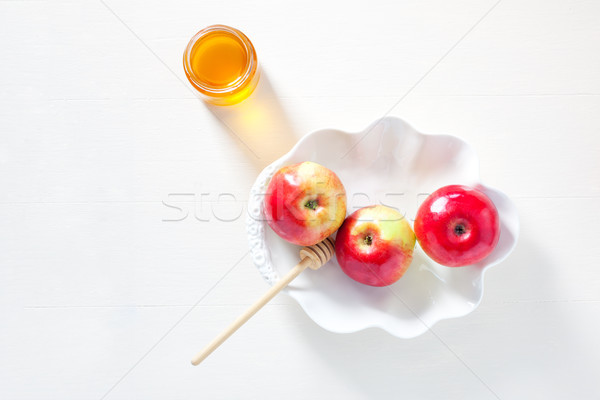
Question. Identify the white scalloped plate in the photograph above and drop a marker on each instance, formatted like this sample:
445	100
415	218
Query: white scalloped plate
389	163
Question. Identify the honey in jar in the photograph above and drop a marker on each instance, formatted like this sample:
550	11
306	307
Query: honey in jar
220	62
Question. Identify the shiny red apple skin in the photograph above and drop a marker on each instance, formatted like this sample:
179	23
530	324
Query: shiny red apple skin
375	245
305	203
457	225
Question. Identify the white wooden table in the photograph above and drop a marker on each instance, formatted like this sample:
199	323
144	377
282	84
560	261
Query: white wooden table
104	296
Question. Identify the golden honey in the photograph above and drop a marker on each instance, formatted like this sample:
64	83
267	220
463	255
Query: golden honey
220	62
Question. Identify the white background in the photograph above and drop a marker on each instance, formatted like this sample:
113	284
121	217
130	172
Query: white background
100	298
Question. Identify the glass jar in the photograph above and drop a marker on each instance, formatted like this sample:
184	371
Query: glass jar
221	63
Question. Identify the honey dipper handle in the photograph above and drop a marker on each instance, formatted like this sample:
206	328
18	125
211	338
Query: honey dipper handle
253	309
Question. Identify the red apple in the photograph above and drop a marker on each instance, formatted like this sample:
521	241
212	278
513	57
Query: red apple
457	225
375	245
305	203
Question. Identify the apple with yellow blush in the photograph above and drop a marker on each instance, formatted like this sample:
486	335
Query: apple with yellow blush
375	245
305	203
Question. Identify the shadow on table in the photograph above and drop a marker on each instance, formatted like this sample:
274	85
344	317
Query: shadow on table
540	335
513	352
258	124
371	361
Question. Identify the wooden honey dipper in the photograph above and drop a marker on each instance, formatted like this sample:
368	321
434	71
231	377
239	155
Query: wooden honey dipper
311	256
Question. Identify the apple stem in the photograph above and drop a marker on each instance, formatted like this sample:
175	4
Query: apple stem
312	204
459	229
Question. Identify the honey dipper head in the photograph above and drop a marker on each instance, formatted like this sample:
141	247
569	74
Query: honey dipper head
319	253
